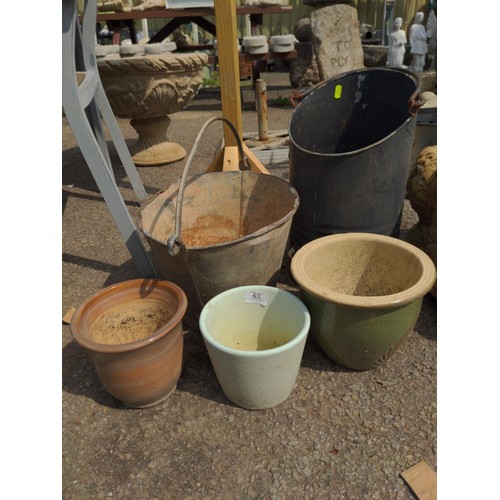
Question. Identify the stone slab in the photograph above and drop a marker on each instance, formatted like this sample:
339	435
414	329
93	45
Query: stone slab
336	40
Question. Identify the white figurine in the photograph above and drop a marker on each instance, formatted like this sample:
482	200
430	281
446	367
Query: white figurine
418	43
397	42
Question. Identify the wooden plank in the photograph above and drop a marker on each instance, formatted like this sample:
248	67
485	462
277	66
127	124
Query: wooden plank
255	163
231	158
225	15
205	12
422	479
216	164
69	314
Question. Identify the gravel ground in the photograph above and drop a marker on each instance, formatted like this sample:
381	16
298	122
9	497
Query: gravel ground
341	434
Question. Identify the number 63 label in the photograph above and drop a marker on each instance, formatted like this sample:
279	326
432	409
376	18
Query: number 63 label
256	298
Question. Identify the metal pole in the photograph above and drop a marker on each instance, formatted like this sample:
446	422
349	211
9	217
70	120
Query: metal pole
194	33
248	25
145	28
384	41
261	100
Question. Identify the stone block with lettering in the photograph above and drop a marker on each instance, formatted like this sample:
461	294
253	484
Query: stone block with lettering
336	40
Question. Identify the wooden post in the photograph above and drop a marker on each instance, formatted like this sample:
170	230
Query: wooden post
229	74
227	46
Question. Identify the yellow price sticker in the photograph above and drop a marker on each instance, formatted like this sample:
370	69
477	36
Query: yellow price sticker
338	91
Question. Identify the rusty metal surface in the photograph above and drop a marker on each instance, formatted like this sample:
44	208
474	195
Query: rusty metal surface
235	230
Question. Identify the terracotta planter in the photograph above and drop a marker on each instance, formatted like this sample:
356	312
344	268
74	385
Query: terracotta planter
364	293
133	334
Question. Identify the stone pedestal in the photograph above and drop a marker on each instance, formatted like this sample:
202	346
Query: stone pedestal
152	146
304	69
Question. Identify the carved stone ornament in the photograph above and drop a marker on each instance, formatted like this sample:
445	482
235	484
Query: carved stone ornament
146	89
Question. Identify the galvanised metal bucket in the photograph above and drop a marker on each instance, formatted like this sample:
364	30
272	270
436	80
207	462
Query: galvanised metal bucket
219	231
350	144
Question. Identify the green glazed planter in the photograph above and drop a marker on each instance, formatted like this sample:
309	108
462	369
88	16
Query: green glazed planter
364	293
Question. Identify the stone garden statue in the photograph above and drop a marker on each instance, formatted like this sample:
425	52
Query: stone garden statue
418	42
397	42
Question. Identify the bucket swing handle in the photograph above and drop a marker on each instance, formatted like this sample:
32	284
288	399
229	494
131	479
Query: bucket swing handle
415	102
175	243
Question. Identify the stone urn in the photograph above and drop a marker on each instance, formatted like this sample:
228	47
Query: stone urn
148	88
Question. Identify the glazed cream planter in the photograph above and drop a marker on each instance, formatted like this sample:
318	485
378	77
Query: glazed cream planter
255	337
364	292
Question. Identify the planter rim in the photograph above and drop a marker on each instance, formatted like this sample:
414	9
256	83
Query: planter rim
338	78
226	244
153	64
89	344
254	354
416	291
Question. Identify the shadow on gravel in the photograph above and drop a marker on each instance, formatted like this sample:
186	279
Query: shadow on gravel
127	271
85	196
426	324
315	359
77	174
198	377
75	171
117	274
79	377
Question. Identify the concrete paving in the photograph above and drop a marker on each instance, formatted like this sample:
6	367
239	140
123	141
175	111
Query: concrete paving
341	434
